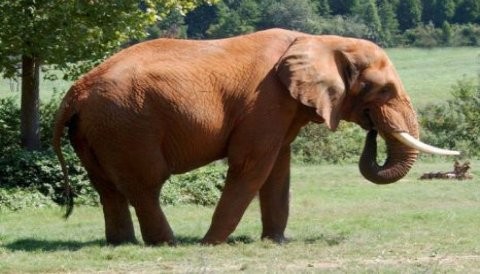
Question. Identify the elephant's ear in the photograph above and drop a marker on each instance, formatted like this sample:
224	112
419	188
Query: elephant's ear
317	76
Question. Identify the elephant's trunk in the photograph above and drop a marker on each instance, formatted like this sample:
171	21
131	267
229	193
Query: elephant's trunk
400	159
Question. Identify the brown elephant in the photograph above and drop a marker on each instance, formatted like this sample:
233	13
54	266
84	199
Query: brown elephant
168	106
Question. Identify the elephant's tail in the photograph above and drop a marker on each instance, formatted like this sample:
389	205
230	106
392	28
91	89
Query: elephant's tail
65	113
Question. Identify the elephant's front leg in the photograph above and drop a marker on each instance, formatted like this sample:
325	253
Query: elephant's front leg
244	179
274	198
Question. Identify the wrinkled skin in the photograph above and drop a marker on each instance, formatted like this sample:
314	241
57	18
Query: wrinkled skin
169	106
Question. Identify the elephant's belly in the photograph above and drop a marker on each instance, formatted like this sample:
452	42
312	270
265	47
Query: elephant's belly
195	152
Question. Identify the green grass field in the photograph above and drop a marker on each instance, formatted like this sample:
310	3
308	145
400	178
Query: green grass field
339	222
428	74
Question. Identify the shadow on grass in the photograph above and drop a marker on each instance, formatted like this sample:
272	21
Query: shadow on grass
30	244
193	240
330	240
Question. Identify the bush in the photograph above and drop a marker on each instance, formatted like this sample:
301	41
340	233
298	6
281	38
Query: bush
202	186
316	144
347	26
41	171
448	35
9	125
12	199
456	123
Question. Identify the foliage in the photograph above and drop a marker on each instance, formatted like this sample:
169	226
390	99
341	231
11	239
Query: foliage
201	187
389	23
63	33
40	170
199	20
297	15
9	124
235	17
448	35
12	199
172	26
456	123
409	14
316	144
468	11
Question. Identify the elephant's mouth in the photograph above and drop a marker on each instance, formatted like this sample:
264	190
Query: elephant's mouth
368	123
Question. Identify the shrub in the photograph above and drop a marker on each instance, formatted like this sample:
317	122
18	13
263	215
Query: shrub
456	123
41	171
316	144
202	186
12	199
9	124
448	35
347	26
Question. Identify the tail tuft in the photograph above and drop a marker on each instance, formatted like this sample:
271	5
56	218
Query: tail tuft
68	195
65	113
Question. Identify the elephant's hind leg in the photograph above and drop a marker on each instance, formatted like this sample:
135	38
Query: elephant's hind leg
118	221
153	223
141	180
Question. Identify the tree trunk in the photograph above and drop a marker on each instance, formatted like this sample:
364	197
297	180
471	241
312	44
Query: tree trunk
30	112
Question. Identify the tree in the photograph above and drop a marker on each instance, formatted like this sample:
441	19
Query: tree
343	7
199	20
60	33
468	11
235	17
297	15
428	11
409	13
445	10
370	15
172	26
323	7
389	22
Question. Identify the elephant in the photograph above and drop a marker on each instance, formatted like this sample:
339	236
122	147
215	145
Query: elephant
168	106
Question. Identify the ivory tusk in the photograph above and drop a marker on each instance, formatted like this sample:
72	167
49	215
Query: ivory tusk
412	142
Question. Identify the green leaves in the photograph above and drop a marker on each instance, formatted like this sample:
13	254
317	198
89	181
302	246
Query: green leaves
455	124
74	35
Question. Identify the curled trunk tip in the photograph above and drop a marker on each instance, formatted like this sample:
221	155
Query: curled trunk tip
399	160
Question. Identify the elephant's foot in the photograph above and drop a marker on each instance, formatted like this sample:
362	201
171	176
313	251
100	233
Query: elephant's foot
160	239
115	241
208	240
276	238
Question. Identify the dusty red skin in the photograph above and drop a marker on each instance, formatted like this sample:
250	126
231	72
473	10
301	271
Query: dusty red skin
168	106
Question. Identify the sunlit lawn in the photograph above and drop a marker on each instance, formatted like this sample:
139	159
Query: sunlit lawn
338	222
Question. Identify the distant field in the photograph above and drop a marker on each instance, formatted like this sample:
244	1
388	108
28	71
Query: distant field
427	74
338	223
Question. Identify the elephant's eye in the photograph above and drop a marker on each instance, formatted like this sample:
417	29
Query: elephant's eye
386	90
365	87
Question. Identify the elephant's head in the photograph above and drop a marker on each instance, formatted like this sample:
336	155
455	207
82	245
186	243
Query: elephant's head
354	80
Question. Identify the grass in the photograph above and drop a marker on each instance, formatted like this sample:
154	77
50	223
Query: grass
427	74
338	222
